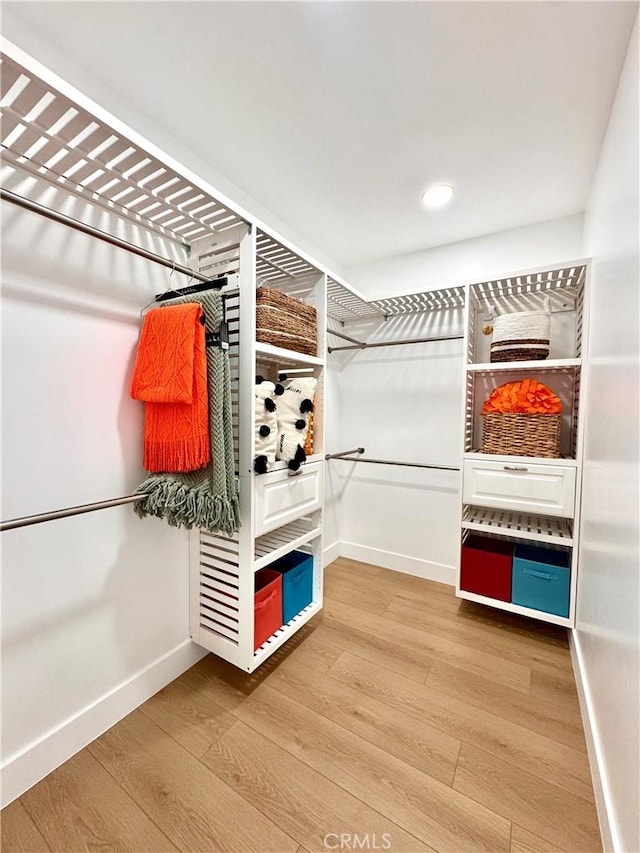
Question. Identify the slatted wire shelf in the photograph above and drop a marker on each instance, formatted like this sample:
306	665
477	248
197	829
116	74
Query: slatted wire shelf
547	282
279	266
344	304
430	300
51	137
537	528
271	546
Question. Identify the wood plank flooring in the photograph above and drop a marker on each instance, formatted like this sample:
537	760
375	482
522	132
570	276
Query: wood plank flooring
399	718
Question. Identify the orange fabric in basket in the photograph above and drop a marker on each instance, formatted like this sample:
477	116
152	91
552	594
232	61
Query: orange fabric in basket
528	396
170	375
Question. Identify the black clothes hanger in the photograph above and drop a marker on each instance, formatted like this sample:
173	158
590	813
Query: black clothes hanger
214	284
212	339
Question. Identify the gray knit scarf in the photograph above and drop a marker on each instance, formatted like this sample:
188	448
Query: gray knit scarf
207	498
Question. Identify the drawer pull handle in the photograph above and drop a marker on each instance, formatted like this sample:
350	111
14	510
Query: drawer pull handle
515	468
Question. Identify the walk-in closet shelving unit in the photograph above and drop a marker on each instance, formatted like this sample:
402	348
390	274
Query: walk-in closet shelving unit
523	498
54	137
280	511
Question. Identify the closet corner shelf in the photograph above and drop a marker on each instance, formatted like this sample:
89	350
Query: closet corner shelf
565	621
520	460
283	634
535	528
275	544
280	356
540	365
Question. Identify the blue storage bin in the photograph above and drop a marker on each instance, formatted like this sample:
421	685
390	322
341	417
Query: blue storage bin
297	582
541	579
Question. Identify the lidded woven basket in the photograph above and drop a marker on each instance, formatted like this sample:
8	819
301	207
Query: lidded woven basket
284	321
521	336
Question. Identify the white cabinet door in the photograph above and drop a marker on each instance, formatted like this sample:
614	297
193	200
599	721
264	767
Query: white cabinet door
520	487
281	498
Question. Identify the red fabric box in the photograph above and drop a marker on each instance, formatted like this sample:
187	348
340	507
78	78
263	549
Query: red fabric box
486	567
267	606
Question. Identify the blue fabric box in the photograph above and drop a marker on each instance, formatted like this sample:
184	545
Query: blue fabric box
541	579
297	582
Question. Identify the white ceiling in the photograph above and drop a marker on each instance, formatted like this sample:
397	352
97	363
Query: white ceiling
335	116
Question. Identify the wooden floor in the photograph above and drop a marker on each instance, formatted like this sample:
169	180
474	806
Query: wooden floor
400	718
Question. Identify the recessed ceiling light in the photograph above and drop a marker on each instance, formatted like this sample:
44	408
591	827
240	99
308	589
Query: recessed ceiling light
437	195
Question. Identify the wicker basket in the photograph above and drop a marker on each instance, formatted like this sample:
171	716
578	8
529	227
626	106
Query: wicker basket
521	336
521	435
286	322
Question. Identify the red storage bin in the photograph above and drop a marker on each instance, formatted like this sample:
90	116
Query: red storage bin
486	567
267	606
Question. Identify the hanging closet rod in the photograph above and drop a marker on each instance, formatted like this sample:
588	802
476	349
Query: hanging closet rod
26	520
61	218
346	455
361	345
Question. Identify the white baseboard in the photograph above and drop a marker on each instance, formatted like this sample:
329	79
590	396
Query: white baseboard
331	553
602	793
398	562
22	770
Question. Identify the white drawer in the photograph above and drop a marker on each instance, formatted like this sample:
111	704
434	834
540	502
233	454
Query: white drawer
520	487
281	498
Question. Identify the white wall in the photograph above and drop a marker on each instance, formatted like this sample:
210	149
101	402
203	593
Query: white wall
95	607
472	260
608	627
402	403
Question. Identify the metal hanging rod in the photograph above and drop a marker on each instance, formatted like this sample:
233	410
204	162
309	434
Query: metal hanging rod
347	457
61	218
361	345
12	523
344	453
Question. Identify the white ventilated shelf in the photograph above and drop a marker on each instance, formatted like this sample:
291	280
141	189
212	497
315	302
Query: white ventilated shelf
429	300
565	621
345	304
539	365
271	546
554	531
520	460
282	357
283	634
77	146
279	264
561	283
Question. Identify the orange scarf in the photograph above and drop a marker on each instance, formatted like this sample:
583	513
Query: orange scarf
170	375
